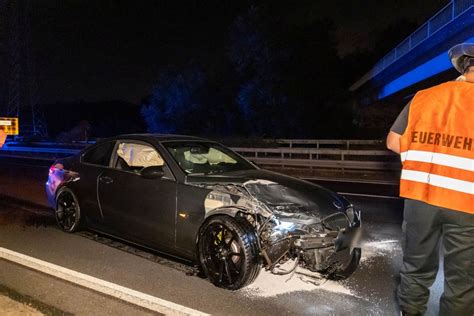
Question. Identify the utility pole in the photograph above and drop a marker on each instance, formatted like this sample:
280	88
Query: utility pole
22	97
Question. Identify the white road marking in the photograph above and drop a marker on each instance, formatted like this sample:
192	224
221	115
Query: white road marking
122	293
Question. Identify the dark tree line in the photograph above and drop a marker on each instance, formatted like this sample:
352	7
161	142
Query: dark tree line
269	73
277	79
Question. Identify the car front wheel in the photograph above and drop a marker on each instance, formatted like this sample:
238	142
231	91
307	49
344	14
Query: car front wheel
228	252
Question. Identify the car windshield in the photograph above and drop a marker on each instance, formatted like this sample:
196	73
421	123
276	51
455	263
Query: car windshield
206	158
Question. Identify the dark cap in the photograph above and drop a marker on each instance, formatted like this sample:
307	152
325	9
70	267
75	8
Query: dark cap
462	56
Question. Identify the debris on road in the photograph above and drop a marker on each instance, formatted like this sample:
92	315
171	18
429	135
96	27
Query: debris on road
268	284
380	248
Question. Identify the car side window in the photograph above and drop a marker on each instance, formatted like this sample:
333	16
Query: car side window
99	155
136	156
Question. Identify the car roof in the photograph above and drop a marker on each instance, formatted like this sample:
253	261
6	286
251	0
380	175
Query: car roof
159	137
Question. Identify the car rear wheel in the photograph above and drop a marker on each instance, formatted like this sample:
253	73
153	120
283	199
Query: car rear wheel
68	212
228	252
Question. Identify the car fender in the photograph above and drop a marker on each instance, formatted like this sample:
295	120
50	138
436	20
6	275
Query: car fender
231	211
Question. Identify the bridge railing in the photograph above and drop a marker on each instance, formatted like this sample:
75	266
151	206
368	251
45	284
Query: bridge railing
447	14
453	10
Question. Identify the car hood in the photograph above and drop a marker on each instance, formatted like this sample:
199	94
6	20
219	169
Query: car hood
287	197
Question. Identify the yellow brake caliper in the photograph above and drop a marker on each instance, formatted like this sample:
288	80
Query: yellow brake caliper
219	237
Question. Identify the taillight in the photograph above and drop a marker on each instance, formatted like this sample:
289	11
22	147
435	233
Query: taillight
56	166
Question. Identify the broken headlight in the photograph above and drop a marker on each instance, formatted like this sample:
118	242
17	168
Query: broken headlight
336	222
350	214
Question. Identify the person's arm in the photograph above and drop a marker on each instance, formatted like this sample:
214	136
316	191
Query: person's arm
393	141
397	130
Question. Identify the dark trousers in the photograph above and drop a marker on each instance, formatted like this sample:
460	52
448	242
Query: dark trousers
425	229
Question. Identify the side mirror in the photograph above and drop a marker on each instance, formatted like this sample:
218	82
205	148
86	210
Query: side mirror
153	172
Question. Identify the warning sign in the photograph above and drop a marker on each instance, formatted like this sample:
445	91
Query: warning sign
9	125
3	137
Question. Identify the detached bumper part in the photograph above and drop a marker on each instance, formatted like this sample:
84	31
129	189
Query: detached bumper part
327	248
324	254
332	254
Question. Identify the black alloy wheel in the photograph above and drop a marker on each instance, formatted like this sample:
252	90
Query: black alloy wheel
228	252
68	213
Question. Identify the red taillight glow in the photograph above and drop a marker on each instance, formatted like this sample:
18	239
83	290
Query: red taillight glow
56	166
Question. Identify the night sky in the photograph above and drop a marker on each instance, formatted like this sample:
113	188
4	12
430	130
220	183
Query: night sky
115	50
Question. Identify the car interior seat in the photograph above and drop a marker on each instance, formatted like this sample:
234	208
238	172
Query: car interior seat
182	161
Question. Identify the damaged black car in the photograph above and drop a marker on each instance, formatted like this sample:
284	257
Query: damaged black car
198	200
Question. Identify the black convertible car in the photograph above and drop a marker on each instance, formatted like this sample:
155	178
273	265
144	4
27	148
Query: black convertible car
200	201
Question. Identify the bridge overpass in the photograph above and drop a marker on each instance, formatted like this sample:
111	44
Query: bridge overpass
420	60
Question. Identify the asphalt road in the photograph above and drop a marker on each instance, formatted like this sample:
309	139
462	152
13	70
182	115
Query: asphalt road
30	230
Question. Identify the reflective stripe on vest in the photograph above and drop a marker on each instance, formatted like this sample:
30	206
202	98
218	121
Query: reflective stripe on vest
437	148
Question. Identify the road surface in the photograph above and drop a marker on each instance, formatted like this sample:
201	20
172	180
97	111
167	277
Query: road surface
29	229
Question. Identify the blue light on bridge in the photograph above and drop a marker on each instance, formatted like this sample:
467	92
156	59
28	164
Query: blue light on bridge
432	67
435	66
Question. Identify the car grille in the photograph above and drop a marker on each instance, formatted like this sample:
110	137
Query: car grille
336	221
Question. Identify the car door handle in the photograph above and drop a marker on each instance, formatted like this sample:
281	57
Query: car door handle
106	180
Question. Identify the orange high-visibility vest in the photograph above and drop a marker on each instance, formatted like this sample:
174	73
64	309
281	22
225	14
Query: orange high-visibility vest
437	148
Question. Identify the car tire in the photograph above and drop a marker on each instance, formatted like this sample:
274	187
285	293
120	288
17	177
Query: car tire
342	274
68	212
229	252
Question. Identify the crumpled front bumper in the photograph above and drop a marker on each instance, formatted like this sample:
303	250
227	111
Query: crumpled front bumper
334	250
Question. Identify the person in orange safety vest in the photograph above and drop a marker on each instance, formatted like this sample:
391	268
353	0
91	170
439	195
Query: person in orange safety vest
434	136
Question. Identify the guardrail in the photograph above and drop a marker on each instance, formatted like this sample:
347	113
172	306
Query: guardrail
62	151
322	158
36	153
292	155
318	143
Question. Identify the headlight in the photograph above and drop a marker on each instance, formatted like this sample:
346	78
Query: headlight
350	214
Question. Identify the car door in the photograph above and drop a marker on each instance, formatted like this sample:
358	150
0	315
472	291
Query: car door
136	208
92	163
